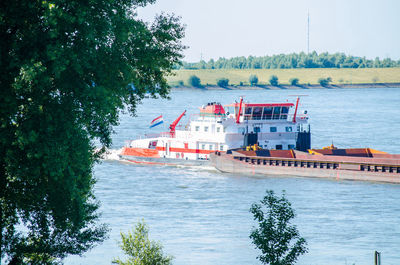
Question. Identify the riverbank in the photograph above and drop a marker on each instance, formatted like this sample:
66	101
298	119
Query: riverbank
309	78
282	87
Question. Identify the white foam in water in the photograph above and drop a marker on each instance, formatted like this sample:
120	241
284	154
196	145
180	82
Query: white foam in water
112	154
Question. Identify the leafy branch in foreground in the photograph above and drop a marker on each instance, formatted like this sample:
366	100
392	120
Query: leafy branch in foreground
279	242
67	69
140	249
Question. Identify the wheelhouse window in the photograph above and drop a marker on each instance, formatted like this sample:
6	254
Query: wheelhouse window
267	114
277	112
248	111
289	129
257	111
284	113
272	129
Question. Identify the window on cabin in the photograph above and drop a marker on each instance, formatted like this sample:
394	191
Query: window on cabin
206	128
224	129
278	147
247	112
218	129
257	111
272	129
291	146
267	113
277	112
289	129
197	128
257	129
203	146
284	113
221	148
210	147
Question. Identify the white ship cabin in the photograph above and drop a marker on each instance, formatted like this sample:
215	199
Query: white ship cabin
275	124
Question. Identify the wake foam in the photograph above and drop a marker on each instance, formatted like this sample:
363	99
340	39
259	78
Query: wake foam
111	155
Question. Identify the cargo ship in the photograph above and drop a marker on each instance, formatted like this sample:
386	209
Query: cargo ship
330	162
220	128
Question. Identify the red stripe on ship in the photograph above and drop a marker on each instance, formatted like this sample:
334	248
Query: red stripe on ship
145	152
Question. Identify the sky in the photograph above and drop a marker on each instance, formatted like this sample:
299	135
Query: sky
230	28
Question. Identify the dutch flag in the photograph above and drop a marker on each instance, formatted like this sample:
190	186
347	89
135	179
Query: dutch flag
156	121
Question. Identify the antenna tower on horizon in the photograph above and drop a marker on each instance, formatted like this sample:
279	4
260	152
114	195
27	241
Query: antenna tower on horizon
308	32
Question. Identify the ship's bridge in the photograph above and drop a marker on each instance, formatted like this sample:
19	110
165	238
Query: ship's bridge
254	111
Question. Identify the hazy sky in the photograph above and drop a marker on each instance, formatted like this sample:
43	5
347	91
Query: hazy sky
228	28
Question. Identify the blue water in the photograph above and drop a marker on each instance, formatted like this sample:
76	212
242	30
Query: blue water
202	216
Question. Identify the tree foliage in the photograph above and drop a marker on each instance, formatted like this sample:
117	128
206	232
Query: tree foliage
278	240
253	80
291	61
324	81
273	80
294	81
140	249
194	81
223	82
67	69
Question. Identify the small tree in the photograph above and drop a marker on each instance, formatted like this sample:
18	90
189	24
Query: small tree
194	81
274	233
140	249
294	81
324	81
223	82
273	80
253	80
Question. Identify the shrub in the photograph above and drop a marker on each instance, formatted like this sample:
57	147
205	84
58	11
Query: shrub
180	83
273	80
140	249
294	81
194	81
324	81
253	80
223	82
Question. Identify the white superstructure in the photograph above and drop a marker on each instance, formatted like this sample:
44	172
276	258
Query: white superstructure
217	127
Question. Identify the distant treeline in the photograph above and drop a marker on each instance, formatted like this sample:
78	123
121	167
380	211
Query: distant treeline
293	60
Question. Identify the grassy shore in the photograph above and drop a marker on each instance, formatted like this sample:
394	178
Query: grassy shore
346	76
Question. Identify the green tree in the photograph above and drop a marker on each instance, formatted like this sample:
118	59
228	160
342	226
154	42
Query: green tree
140	249
278	240
294	81
67	69
253	80
194	81
324	81
223	82
273	80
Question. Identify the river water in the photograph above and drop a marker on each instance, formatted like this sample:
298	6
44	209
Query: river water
202	216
